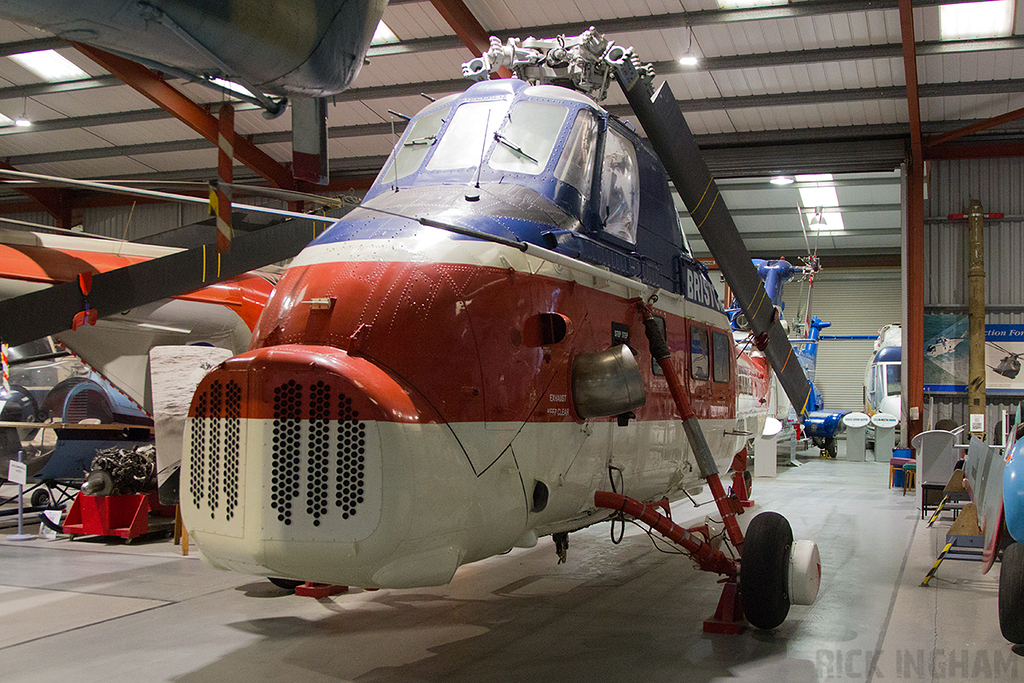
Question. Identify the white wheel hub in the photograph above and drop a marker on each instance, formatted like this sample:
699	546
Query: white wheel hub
804	572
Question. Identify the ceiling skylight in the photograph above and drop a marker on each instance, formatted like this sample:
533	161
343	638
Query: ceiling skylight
5	121
818	193
49	65
976	20
384	35
735	4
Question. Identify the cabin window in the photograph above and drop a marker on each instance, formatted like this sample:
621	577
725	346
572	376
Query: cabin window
524	145
470	132
576	165
722	356
892	379
421	137
619	188
699	361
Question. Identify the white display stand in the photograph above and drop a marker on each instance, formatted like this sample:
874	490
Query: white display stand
765	454
885	435
856	430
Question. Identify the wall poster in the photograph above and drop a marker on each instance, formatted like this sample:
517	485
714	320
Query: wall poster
946	356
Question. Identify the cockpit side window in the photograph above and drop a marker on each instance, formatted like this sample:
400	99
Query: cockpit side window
468	135
421	137
619	188
576	165
524	145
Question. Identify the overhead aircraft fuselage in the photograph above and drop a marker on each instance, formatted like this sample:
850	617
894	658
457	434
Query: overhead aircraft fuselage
414	400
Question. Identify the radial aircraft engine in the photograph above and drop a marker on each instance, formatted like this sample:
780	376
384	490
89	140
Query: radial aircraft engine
456	367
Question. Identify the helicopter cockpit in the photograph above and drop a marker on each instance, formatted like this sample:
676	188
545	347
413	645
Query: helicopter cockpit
546	164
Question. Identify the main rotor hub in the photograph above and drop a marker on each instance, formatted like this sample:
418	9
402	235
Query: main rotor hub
583	63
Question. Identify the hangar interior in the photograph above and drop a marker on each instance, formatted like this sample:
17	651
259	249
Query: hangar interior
856	132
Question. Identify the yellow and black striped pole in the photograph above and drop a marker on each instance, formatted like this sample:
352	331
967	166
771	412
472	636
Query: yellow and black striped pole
938	561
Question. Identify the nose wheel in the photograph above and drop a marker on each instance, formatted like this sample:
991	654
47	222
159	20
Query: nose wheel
776	571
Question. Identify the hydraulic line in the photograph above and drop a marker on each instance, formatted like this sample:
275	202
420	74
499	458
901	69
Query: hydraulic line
706	556
694	434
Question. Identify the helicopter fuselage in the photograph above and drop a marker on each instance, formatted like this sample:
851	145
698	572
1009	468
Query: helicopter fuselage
410	401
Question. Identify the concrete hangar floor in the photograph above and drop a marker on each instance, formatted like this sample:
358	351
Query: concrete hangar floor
98	610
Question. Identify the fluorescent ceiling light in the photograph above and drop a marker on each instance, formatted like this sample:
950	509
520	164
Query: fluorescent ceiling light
782	180
820	196
976	20
49	65
383	35
22	122
689	60
734	4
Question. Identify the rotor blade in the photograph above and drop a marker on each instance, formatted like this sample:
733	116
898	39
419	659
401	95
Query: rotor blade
672	140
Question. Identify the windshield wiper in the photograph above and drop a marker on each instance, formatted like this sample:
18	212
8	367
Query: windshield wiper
512	146
425	140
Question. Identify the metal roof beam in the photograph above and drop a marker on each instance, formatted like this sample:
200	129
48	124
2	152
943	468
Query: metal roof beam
32	45
709	104
36	89
974	128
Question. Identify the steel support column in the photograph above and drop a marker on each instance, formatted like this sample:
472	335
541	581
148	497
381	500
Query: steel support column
466	27
913	265
188	112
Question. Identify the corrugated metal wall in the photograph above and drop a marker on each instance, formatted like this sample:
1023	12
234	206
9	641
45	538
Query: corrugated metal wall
999	185
142	221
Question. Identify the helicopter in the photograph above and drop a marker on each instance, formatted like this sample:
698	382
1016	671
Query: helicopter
458	366
1009	366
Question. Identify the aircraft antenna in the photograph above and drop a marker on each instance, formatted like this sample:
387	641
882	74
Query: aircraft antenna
472	196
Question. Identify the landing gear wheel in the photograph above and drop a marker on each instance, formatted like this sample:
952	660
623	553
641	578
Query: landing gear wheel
40	498
287	584
1011	594
764	570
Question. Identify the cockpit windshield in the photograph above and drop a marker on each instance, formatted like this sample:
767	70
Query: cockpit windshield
421	137
525	143
468	136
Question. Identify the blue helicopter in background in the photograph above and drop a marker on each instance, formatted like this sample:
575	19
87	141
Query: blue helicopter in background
820	425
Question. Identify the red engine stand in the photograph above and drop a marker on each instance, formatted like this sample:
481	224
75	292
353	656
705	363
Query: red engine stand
123	516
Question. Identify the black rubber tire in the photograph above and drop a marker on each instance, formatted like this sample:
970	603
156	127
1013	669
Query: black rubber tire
287	584
40	498
764	570
1011	593
748	479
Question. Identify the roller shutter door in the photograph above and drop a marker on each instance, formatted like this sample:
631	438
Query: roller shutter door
856	302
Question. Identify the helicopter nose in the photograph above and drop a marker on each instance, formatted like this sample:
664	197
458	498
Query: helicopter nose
891	405
283	474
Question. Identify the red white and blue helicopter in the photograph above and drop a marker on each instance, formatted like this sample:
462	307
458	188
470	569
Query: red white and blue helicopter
498	345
